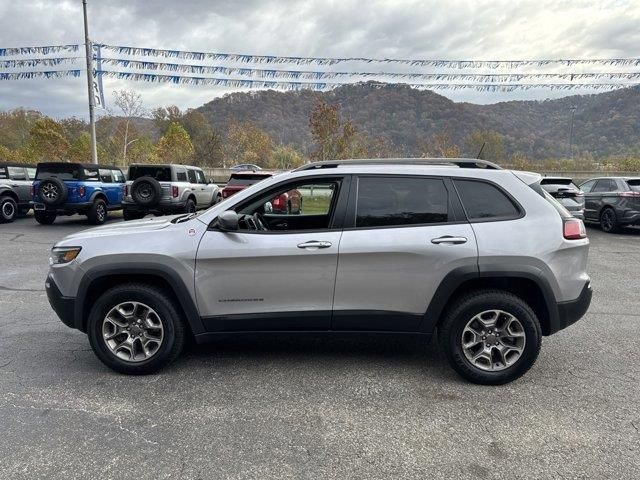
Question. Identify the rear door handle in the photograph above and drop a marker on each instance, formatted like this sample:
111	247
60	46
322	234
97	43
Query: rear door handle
314	244
448	239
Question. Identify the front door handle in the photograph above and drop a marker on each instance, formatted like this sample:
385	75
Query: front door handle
314	244
448	239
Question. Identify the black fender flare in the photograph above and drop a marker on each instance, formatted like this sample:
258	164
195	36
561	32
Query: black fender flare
99	193
8	191
161	272
454	279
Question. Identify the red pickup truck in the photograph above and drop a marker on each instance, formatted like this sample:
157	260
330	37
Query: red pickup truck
287	202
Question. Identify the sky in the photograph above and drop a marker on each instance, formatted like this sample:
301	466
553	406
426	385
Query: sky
421	29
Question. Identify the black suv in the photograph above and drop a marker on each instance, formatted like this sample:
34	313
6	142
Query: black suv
15	190
613	202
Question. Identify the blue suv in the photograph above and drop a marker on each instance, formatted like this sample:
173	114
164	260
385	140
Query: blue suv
67	188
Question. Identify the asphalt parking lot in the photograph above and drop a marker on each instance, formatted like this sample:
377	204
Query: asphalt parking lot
316	407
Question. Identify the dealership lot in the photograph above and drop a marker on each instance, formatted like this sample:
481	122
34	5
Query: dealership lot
315	407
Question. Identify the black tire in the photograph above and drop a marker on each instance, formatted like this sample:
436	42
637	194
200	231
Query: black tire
172	323
190	206
146	191
44	217
98	212
52	191
132	215
8	209
609	221
450	335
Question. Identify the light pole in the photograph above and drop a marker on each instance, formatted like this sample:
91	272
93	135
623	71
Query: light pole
573	113
89	53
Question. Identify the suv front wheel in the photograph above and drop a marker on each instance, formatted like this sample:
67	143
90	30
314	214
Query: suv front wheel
135	329
491	337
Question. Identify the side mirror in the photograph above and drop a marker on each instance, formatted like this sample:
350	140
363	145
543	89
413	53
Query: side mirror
268	207
210	180
228	221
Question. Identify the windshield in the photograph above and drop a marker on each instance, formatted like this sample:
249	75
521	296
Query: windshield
61	171
161	174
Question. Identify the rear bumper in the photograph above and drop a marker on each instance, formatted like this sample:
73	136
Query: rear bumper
80	207
63	306
172	207
572	311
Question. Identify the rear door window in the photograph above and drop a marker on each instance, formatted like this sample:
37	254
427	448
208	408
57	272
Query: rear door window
605	185
92	175
17	173
31	172
200	176
587	186
105	176
191	175
181	176
484	201
118	176
397	201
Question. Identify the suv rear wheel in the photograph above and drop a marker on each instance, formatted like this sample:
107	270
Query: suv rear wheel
491	337
44	217
135	329
608	221
8	209
190	206
97	213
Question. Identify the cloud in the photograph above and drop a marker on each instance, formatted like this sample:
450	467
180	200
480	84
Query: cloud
482	29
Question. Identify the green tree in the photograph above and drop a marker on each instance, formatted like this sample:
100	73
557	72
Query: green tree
164	116
207	144
174	146
143	151
493	145
80	148
286	158
48	140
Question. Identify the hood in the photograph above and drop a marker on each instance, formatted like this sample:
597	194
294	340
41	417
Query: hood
123	228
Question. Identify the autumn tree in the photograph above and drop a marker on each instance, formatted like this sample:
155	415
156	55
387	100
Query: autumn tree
130	106
164	116
493	145
207	144
246	143
333	138
80	148
174	146
47	140
439	145
143	151
286	158
15	127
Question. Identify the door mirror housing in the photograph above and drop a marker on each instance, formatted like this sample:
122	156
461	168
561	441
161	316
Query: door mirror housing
210	180
228	221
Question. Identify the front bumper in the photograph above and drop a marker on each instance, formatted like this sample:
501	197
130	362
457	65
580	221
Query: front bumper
572	311
63	306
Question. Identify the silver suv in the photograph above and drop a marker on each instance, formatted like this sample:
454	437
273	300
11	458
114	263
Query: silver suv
15	190
482	256
162	189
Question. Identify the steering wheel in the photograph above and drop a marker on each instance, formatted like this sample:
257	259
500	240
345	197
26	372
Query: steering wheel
259	221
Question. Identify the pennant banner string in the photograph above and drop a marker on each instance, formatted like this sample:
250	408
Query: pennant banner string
319	75
46	50
320	86
272	59
46	74
36	62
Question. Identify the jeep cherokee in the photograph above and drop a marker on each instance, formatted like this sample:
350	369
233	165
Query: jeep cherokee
483	257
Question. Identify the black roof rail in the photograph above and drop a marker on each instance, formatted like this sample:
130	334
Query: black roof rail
460	162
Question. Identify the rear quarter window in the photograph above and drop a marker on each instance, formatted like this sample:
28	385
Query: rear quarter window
634	185
483	201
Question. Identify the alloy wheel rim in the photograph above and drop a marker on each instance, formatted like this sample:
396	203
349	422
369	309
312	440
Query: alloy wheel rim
607	221
133	331
493	340
100	212
50	191
8	210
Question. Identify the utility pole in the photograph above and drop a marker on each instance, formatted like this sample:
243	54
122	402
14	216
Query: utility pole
573	113
89	53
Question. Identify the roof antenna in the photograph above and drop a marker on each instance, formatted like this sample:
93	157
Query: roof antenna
481	149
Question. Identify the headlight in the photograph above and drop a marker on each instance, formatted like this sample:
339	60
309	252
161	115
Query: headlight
63	254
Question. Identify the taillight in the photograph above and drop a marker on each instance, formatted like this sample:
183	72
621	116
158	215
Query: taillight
81	191
174	191
573	229
278	201
629	194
